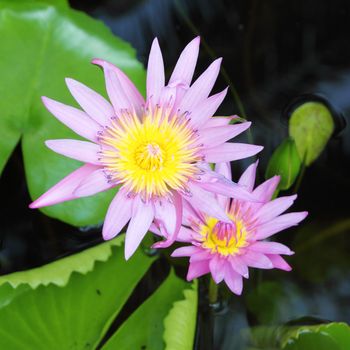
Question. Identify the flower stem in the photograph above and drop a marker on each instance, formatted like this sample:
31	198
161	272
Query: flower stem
213	292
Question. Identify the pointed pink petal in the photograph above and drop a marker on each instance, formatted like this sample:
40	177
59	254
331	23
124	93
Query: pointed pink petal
270	248
74	118
218	184
185	251
217	268
203	112
224	169
230	151
130	91
239	266
118	214
185	234
247	179
63	190
279	263
186	64
211	137
141	219
274	208
155	73
280	223
197	269
96	106
201	88
114	88
202	254
92	184
218	121
233	280
265	191
172	235
165	214
256	259
80	150
206	202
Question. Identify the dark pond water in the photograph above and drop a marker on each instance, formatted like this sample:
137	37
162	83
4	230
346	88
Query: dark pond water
273	52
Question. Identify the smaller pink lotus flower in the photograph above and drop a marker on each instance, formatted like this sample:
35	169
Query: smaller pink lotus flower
228	249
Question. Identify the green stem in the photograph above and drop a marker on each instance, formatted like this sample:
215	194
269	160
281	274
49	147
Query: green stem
213	292
300	177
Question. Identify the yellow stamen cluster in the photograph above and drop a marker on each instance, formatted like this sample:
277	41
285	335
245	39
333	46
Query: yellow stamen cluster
151	155
225	239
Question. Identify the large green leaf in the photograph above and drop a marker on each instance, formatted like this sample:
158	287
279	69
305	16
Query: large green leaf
163	312
311	125
333	336
180	324
41	45
77	315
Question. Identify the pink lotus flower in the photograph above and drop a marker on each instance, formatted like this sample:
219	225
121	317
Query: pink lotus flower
227	249
152	149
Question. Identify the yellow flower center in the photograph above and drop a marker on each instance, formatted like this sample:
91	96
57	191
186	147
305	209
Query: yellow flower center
151	155
223	238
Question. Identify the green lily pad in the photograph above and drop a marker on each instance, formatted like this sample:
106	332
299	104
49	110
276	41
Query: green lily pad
43	44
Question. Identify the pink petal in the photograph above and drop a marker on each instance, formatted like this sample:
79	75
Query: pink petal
239	266
74	118
63	190
185	235
80	150
189	214
247	179
230	151
165	213
218	184
201	88
219	121
256	259
172	235
217	268
186	64
279	263
211	137
270	248
92	184
206	202
233	280
118	214
274	208
280	223
96	106
115	90
155	73
141	219
265	191
202	254
224	169
185	251
197	269
202	113
130	91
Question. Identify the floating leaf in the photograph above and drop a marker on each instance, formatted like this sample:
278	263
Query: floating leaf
77	315
180	324
285	162
311	125
43	44
149	321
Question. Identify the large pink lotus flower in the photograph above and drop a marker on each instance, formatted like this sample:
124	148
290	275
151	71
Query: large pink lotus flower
152	149
227	249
